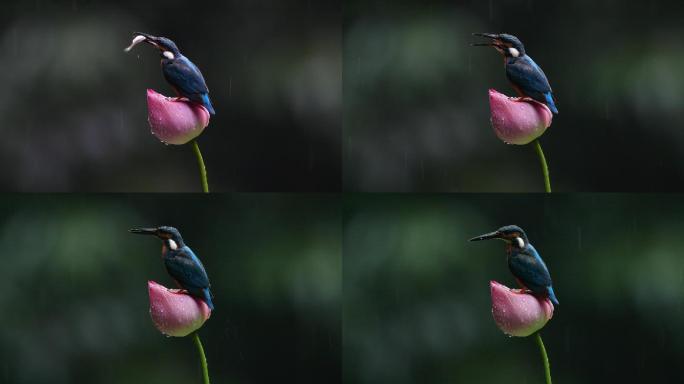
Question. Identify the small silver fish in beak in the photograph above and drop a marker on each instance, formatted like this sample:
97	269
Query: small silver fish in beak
136	40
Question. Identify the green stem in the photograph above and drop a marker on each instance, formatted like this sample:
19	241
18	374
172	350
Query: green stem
203	169
545	168
203	359
545	358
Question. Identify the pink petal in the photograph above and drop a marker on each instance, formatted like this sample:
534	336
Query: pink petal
517	313
518	121
175	121
174	312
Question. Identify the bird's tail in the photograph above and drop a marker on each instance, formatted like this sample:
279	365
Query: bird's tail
207	298
550	103
552	295
207	103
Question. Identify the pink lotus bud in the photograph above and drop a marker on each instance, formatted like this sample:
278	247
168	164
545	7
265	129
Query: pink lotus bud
175	121
174	312
519	313
518	121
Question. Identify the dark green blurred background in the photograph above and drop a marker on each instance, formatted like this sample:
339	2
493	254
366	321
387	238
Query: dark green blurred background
73	112
74	302
416	111
417	307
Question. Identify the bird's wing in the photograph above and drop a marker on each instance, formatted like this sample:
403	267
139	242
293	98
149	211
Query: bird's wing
185	76
187	271
530	270
527	75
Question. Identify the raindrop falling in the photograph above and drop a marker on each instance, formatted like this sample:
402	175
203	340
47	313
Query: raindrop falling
312	159
230	86
579	238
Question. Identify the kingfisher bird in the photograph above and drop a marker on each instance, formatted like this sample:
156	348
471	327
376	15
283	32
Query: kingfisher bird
524	261
181	263
525	75
183	76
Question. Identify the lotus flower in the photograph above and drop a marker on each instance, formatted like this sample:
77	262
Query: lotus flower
174	120
174	312
519	313
518	120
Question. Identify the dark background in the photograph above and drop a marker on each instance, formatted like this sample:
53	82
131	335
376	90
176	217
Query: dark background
417	306
73	112
416	111
74	301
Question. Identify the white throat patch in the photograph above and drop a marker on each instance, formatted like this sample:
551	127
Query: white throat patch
170	55
514	52
520	242
173	245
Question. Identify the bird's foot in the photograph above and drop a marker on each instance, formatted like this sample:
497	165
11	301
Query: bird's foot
522	290
523	98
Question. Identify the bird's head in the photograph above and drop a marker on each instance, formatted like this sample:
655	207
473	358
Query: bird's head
169	235
507	45
166	47
511	234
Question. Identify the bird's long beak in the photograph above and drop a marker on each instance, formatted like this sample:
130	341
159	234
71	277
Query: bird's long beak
144	231
487	236
145	35
487	44
487	35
